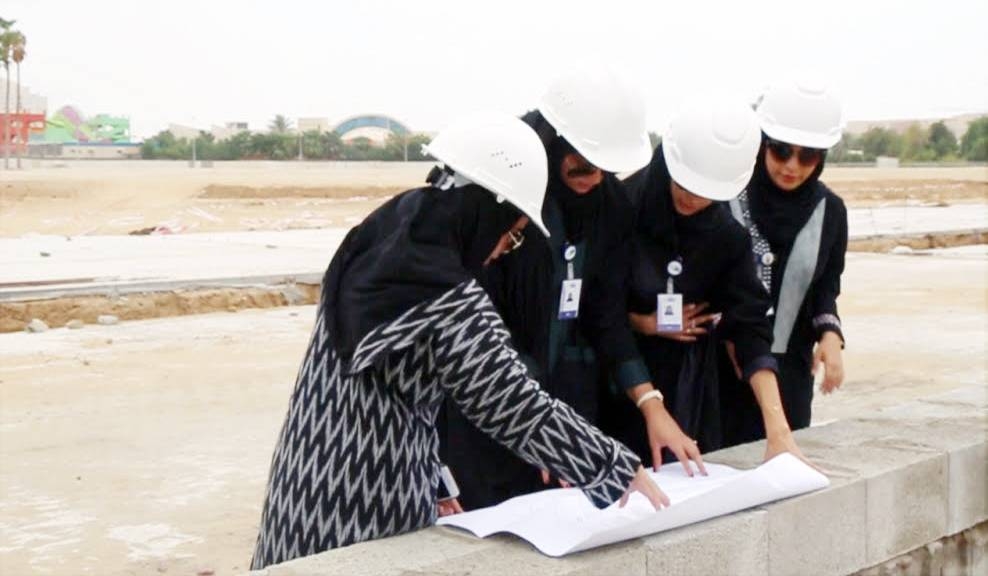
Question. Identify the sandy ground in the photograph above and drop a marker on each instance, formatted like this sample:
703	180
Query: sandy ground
73	198
143	448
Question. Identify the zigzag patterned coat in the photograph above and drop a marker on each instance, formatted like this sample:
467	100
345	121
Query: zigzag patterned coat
357	455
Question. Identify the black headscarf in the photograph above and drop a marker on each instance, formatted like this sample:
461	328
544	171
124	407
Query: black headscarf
779	214
579	211
650	190
413	248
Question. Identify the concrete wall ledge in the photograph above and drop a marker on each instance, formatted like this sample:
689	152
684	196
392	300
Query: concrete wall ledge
901	478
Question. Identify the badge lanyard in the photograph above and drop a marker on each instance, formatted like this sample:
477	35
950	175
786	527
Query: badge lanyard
569	296
669	306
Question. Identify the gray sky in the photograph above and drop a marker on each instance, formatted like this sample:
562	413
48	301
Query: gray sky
206	62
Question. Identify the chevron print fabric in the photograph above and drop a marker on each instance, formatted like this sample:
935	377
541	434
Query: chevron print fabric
357	455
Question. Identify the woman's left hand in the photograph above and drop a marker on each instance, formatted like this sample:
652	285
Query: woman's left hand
784	442
448	507
828	353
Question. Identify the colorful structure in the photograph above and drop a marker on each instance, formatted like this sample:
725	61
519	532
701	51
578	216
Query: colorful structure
21	127
375	127
69	126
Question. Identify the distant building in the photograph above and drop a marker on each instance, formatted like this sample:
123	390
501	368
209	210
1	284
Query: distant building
180	131
314	124
31	102
23	125
228	130
375	127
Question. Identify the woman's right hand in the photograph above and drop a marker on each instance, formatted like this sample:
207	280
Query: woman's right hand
643	483
693	323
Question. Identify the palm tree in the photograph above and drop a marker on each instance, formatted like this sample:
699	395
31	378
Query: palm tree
19	52
6	45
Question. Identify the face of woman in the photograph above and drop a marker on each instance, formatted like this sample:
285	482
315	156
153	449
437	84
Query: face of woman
578	174
510	240
789	165
685	202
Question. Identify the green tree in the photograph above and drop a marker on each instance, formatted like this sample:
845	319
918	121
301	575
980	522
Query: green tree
942	141
236	147
880	141
915	144
321	145
405	146
974	143
280	125
164	146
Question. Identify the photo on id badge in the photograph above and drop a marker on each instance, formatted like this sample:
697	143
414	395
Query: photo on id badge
569	299
669	317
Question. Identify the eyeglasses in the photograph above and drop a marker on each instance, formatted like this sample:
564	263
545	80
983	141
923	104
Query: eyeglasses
783	151
517	238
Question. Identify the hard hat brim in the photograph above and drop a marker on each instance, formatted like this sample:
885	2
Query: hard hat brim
800	137
716	190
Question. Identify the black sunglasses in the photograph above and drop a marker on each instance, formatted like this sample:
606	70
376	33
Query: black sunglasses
783	151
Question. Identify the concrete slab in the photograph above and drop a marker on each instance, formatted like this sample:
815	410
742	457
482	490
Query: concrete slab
906	508
968	487
737	544
79	260
59	260
823	533
914	219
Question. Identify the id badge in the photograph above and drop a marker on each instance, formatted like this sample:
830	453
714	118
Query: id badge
569	299
669	314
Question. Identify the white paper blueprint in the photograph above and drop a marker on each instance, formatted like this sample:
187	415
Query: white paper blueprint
562	521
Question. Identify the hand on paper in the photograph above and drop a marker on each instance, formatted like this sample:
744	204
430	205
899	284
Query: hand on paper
693	323
448	507
828	353
547	478
643	483
664	432
784	442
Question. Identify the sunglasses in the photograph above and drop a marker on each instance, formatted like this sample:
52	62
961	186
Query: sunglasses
784	151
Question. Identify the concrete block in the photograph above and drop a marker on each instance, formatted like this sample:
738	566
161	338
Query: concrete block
515	556
735	545
450	552
819	533
968	487
388	556
906	508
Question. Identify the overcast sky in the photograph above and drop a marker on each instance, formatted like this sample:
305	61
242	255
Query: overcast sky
207	62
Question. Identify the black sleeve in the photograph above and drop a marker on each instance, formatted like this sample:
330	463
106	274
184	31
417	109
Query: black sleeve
827	286
605	323
744	303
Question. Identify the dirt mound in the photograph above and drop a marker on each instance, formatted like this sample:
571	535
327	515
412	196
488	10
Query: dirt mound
885	243
870	193
224	191
57	312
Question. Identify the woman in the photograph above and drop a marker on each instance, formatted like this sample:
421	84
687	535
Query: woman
564	302
402	323
799	229
691	259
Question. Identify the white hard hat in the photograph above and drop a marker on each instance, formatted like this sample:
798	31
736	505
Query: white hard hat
711	149
802	113
602	115
500	153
